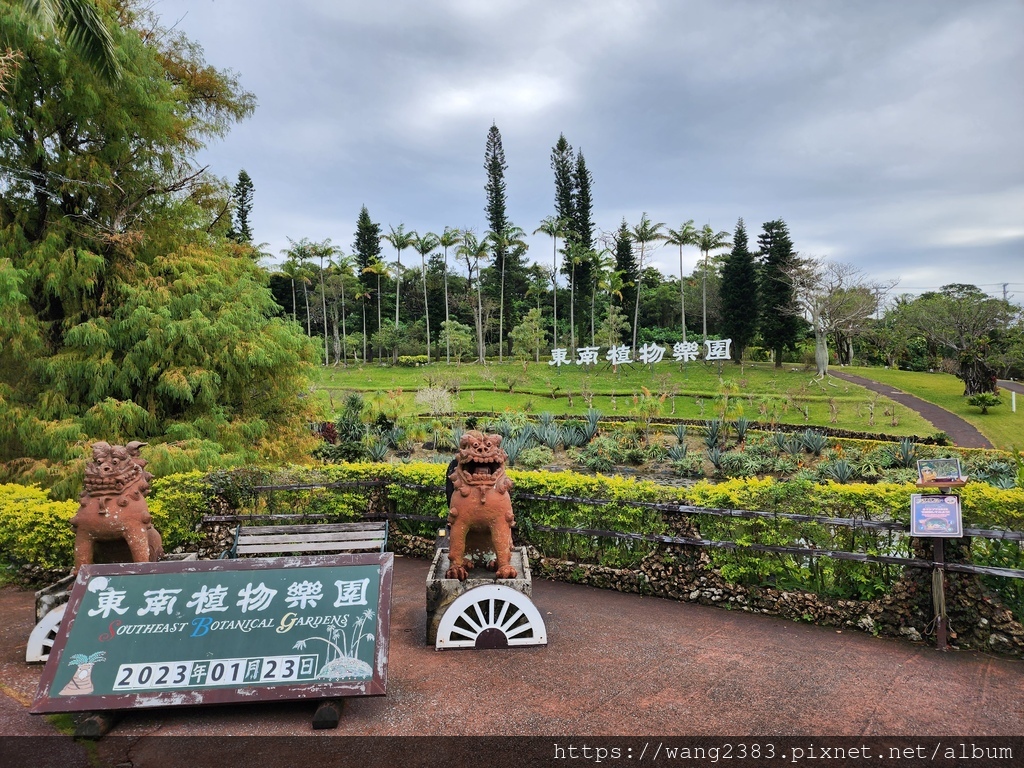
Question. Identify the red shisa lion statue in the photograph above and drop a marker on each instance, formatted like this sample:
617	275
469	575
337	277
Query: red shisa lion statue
113	506
480	509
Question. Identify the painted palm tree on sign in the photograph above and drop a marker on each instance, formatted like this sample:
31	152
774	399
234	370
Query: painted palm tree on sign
401	240
644	234
708	240
507	241
449	238
474	251
685	235
555	228
425	245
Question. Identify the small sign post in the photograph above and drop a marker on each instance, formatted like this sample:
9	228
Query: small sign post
938	516
192	633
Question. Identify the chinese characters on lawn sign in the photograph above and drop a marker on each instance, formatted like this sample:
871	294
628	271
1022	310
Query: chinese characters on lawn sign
160	634
682	352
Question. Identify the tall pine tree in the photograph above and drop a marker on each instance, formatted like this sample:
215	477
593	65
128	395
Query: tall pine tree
739	294
625	262
583	227
779	324
241	199
562	162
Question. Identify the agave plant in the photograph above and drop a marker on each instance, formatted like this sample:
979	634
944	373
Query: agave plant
741	425
573	435
547	418
679	430
457	433
513	447
781	441
794	446
549	435
814	441
377	448
593	419
677	452
905	454
714	456
840	470
714	431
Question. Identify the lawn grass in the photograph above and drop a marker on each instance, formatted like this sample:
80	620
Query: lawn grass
762	393
1000	425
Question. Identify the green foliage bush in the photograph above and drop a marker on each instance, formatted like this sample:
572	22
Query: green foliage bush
35	529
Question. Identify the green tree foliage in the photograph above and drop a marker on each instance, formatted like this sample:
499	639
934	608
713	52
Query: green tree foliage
529	336
562	164
738	291
779	324
82	28
966	323
241	198
127	314
626	265
366	248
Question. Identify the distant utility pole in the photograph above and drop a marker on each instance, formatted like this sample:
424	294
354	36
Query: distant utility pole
1005	286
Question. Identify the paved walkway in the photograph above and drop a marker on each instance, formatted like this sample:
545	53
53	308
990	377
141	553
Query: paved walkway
961	432
616	664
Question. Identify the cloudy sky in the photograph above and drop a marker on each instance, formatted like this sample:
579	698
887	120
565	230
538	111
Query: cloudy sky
889	135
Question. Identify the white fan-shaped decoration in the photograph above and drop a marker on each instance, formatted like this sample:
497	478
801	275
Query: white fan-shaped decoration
43	635
491	616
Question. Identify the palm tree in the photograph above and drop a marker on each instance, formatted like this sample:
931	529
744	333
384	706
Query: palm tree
474	251
685	235
401	240
293	271
708	240
378	268
424	246
83	29
449	238
643	233
361	297
576	254
301	252
555	228
343	268
503	242
604	262
321	251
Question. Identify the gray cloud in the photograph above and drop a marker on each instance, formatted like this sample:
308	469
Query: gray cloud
885	134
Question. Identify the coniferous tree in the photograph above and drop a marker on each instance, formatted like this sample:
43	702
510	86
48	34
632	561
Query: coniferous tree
779	325
584	274
562	163
241	198
738	292
497	216
625	264
367	252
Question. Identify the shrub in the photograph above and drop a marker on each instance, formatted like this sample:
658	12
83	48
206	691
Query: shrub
984	400
34	529
534	458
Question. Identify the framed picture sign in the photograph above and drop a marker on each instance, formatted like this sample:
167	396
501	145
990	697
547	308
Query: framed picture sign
936	514
214	632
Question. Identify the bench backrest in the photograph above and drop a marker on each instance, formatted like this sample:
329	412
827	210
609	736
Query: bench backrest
291	539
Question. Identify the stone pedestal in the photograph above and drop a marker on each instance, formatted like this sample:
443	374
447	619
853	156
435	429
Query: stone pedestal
442	592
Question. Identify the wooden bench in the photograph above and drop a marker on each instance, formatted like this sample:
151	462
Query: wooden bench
266	540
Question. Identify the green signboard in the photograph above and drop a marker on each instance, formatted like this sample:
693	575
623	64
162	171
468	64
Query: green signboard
188	633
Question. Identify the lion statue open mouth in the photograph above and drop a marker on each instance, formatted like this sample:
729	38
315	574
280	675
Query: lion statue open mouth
480	509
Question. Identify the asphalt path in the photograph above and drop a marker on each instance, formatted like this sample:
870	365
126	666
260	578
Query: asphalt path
961	432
